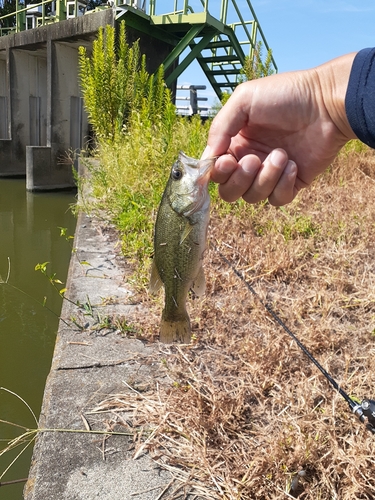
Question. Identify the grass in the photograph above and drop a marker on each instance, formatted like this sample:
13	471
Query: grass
244	411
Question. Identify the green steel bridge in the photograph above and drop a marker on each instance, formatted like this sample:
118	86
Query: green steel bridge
218	34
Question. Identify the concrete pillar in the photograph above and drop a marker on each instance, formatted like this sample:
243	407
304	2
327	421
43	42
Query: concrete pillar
19	97
4	100
5	139
39	170
67	122
25	102
37	100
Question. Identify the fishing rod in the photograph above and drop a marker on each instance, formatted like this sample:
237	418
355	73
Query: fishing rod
365	411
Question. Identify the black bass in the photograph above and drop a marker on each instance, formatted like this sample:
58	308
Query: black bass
179	243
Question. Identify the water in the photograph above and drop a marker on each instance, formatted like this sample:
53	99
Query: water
29	234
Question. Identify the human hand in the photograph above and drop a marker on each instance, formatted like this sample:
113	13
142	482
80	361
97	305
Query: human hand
276	134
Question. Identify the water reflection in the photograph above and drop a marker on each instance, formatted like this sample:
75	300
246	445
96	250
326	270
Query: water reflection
29	234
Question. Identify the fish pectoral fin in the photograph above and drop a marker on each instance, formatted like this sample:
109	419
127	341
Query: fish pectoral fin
199	284
155	280
187	230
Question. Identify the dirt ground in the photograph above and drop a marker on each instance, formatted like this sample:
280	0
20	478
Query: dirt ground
246	415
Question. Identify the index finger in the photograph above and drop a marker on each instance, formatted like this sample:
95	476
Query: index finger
232	117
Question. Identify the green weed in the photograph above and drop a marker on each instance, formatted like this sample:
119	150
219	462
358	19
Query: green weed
299	225
116	85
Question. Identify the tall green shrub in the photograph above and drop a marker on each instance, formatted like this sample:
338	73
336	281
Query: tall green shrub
256	67
116	85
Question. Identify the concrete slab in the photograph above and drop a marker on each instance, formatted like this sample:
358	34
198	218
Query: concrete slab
88	365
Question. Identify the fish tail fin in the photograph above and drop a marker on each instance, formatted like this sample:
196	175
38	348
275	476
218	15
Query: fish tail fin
176	330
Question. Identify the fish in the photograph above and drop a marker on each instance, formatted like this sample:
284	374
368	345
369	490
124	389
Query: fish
180	236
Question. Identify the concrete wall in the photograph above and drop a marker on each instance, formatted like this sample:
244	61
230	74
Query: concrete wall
6	156
28	98
4	132
39	90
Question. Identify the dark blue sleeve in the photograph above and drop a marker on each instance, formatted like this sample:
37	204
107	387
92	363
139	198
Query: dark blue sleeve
360	97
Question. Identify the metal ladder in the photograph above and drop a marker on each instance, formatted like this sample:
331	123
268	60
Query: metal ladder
219	36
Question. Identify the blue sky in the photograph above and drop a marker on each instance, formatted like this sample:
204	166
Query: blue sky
306	33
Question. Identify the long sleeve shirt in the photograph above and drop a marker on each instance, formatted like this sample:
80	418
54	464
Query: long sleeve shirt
360	96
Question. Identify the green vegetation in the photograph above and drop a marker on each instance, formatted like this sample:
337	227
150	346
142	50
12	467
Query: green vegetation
139	136
117	88
257	66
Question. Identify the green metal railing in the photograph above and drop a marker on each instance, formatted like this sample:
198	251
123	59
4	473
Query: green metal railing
42	17
243	22
218	34
186	7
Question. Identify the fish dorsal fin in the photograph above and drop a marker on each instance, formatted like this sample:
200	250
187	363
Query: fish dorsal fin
185	233
199	284
155	280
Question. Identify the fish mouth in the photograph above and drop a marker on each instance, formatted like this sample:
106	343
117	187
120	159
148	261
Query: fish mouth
200	170
203	166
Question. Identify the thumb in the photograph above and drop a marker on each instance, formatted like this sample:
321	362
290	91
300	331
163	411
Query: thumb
232	117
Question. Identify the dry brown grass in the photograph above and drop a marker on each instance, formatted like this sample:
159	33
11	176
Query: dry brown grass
244	409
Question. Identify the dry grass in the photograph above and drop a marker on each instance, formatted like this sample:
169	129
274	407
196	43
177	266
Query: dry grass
244	409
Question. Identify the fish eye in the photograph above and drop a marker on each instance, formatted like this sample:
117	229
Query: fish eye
176	174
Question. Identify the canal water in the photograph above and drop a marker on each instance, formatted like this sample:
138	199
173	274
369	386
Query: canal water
29	309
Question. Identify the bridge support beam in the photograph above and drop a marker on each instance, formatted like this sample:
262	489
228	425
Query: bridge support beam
39	174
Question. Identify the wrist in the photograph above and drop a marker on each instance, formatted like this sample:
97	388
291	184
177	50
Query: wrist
333	78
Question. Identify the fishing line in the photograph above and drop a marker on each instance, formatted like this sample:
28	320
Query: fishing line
365	411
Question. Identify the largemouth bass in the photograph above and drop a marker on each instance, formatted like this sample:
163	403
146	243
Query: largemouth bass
179	243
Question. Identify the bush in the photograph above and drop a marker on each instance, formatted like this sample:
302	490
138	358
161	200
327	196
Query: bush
116	85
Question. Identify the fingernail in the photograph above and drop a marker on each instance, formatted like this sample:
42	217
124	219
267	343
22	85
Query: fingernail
291	168
225	167
278	157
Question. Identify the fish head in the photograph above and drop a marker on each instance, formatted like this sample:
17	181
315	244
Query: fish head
188	184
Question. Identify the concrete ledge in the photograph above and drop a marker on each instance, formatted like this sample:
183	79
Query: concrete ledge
42	174
76	28
88	365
